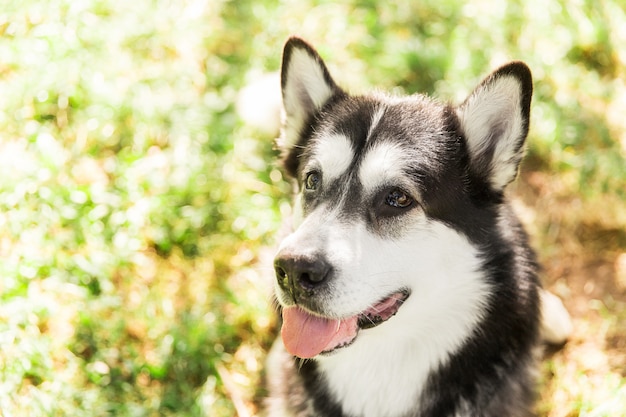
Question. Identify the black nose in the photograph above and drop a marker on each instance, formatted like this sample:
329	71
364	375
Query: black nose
300	275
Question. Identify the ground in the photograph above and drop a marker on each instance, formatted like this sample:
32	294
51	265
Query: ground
585	264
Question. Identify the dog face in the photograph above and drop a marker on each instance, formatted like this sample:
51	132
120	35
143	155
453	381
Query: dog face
397	200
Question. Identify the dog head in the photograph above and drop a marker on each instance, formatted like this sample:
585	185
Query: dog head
397	199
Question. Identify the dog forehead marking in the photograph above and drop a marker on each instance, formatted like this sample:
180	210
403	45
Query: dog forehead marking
378	114
334	154
382	164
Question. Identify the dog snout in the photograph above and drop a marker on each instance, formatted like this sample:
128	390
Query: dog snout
301	275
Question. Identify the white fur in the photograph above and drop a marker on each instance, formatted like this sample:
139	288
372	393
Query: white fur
556	324
305	91
495	107
334	155
383	372
378	114
382	165
275	361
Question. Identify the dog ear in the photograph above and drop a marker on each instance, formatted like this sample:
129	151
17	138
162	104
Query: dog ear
306	86
494	120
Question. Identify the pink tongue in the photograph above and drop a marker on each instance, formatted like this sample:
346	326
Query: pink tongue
306	335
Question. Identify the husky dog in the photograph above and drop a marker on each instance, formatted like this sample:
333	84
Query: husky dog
408	286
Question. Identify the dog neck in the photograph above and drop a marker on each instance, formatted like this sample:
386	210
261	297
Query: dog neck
385	371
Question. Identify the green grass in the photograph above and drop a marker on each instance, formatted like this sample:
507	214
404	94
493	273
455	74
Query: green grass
138	212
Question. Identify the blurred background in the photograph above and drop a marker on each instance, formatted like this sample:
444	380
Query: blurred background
139	202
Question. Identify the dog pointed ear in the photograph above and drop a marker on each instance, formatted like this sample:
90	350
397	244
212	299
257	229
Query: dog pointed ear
306	86
494	120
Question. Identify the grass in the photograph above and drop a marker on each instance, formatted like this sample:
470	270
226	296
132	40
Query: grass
137	211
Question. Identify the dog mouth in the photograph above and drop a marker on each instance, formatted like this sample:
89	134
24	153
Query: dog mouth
306	335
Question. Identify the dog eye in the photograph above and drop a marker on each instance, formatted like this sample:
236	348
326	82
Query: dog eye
398	199
312	181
